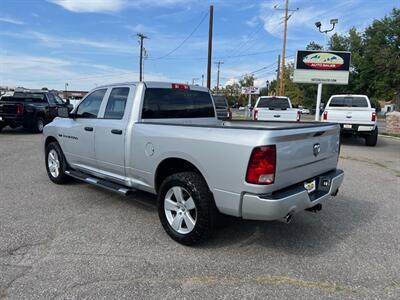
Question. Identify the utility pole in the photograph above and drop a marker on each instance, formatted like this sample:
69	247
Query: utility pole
218	63
278	74
285	21
282	82
210	33
141	37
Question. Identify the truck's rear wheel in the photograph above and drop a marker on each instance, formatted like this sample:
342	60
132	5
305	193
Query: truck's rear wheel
372	139
56	164
38	125
186	207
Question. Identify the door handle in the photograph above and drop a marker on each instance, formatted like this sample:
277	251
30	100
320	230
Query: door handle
88	128
116	131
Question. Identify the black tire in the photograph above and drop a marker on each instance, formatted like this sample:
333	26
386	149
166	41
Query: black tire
38	125
372	139
61	178
206	210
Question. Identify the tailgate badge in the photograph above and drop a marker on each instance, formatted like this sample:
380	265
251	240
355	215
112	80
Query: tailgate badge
316	149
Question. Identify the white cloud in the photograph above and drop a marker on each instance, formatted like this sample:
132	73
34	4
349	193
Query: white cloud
53	41
91	5
105	6
252	22
39	71
10	20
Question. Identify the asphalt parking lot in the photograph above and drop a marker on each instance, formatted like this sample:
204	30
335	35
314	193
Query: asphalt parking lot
79	241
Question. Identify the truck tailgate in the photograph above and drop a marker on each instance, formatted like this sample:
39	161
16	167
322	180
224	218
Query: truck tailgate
350	115
8	108
303	155
276	115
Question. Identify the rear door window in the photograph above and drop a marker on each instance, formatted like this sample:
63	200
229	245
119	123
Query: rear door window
90	106
116	103
274	103
162	103
348	102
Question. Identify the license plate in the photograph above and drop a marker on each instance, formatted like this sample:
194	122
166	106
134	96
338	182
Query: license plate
310	186
347	126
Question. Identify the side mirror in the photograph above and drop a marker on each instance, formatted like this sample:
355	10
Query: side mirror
70	107
63	112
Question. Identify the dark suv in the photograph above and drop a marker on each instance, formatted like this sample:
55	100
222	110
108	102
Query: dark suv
32	110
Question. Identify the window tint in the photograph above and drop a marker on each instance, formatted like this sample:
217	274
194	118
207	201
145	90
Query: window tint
116	103
274	103
89	108
348	102
176	103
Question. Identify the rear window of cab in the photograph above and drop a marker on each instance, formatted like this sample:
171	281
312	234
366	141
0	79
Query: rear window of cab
348	102
163	103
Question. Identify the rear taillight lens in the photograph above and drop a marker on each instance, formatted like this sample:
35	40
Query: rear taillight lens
20	109
255	114
373	118
298	116
325	116
262	165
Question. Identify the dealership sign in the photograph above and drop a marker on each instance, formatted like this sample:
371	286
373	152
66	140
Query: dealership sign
250	90
316	66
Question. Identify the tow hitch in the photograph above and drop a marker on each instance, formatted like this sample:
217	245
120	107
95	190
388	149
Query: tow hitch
315	208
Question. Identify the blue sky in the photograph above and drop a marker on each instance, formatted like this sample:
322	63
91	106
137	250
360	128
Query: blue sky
92	42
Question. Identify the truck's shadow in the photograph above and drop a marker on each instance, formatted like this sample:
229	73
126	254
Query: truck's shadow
309	234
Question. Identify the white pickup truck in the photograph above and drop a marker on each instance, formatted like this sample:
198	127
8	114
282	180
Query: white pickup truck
165	139
275	108
355	115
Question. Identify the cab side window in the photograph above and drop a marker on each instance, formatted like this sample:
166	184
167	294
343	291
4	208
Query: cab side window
89	108
116	103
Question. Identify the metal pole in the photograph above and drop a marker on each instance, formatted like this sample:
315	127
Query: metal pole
282	83
141	37
210	33
202	79
278	75
219	63
319	94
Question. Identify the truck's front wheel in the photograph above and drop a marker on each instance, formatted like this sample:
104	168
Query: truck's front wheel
186	207
56	164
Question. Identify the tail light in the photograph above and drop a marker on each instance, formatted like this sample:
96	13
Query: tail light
20	109
255	114
180	86
325	116
373	118
298	116
262	165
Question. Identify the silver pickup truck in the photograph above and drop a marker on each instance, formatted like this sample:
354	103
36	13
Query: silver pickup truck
165	139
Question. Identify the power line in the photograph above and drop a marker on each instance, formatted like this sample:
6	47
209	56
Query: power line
185	40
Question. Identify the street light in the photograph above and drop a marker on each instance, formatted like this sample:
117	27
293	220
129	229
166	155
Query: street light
66	86
333	22
267	85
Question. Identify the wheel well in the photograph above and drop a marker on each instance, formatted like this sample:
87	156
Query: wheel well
171	166
49	140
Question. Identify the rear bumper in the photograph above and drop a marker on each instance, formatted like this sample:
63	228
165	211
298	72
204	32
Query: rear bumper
355	128
290	200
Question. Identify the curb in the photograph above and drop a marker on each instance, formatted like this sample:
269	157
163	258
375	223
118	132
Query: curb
390	137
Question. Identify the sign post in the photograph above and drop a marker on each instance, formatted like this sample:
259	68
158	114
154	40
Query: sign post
322	67
249	90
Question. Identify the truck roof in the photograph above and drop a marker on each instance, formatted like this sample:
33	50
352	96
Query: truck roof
155	84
